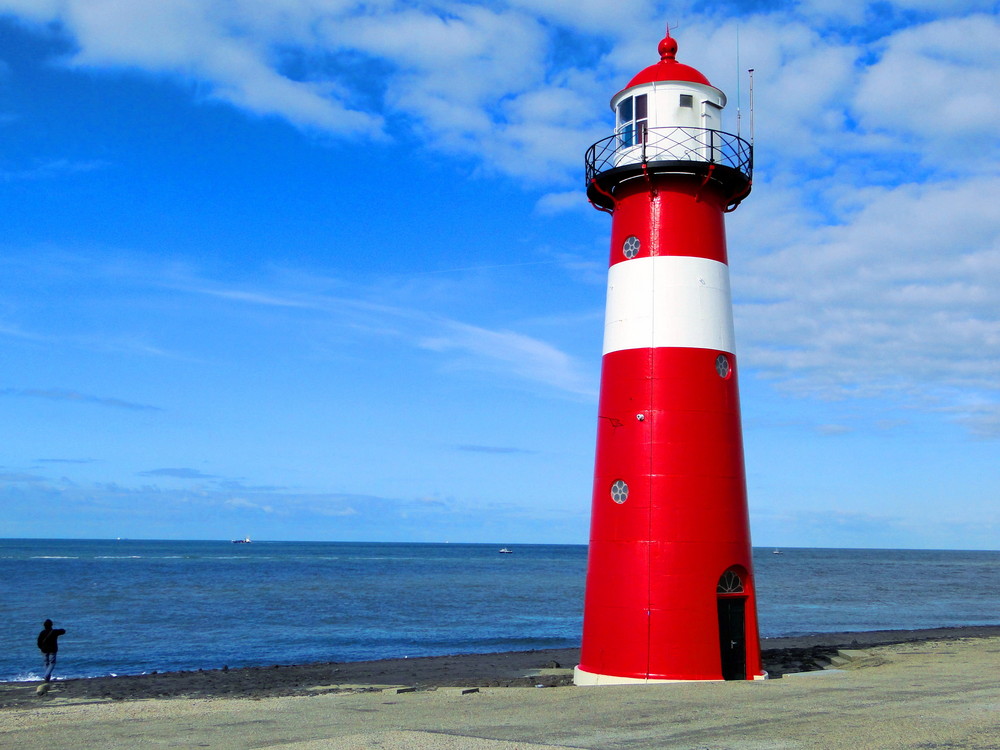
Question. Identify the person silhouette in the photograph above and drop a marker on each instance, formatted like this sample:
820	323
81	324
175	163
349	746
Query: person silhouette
48	643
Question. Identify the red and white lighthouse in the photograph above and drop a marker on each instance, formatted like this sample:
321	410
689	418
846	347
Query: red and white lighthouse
670	586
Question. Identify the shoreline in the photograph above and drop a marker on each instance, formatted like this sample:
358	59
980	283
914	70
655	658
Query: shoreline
923	689
543	667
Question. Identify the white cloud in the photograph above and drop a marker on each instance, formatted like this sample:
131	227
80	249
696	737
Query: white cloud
59	394
224	46
15	331
556	203
945	6
937	83
843	11
873	244
19	477
522	355
35	11
859	12
504	84
982	419
470	79
834	429
464	345
51	169
243	504
594	16
899	298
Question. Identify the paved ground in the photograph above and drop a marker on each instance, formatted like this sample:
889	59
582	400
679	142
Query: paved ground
937	694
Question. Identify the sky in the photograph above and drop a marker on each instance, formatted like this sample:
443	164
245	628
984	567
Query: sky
325	269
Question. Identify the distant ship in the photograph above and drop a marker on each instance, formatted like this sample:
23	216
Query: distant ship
244	540
505	551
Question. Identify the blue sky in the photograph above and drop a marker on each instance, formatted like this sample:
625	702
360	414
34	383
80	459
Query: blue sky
324	269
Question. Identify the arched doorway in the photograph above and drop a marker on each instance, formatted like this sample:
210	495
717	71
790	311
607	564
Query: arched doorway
732	599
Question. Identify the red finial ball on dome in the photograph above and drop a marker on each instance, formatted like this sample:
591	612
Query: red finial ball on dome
668	69
668	48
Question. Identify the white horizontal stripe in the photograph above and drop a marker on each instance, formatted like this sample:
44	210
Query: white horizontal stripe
669	300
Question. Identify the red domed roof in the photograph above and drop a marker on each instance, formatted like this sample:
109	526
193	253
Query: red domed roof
668	69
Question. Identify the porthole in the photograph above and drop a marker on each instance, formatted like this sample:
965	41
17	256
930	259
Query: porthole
631	247
722	366
619	491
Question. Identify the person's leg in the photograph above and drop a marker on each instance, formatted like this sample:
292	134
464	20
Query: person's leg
50	664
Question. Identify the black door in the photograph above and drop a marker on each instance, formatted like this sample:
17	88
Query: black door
732	638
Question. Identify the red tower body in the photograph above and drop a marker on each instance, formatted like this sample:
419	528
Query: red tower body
670	587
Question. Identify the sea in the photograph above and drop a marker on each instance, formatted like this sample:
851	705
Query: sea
138	606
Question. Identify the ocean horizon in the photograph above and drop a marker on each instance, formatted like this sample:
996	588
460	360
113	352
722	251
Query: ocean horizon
133	606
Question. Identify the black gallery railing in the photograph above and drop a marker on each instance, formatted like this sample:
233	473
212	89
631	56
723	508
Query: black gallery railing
671	144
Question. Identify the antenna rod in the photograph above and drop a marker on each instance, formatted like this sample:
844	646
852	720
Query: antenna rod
739	114
751	106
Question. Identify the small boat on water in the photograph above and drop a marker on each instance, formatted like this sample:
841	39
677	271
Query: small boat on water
776	552
505	551
244	540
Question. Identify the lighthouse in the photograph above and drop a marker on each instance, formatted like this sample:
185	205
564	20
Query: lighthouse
670	585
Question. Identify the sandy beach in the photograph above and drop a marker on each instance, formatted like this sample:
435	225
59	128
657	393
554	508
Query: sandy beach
889	689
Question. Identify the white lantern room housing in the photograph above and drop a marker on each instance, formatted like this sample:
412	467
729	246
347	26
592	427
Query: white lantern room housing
648	116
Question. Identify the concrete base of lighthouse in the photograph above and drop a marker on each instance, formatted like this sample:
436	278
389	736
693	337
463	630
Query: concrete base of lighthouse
583	678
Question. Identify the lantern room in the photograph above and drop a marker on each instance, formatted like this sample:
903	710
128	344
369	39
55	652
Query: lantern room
667	94
668	119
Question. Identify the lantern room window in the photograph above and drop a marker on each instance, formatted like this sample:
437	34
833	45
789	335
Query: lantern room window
632	120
